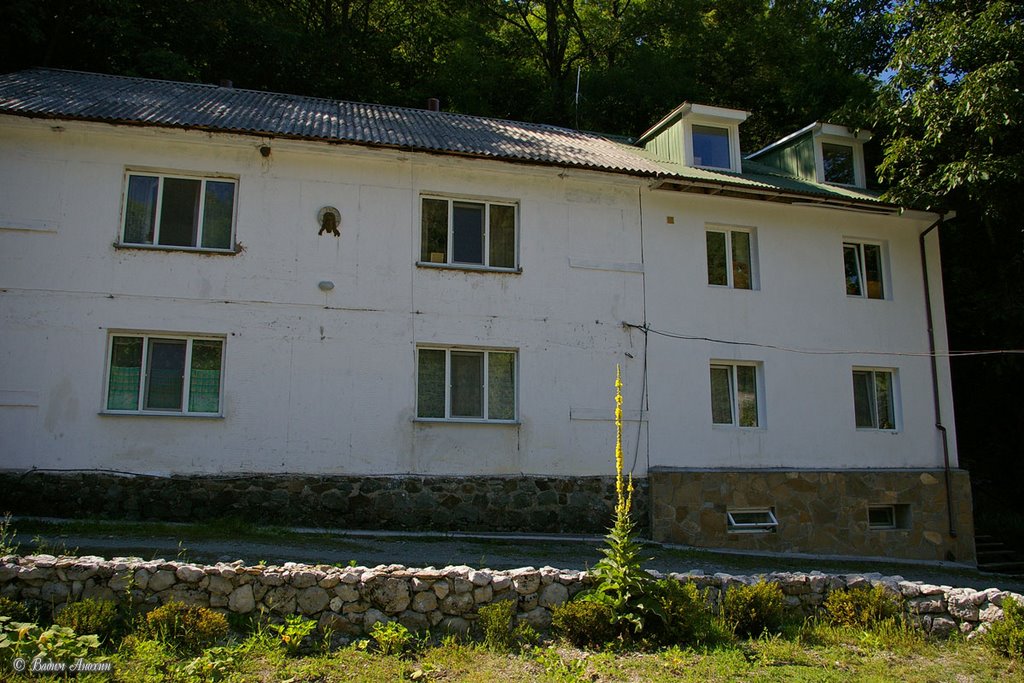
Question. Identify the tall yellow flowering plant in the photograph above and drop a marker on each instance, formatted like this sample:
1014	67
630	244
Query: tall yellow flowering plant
620	580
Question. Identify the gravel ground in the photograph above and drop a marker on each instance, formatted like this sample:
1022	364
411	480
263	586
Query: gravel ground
492	551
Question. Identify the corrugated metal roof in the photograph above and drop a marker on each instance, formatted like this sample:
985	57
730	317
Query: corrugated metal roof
54	93
120	99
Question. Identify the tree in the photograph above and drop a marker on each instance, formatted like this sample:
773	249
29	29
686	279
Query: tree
955	107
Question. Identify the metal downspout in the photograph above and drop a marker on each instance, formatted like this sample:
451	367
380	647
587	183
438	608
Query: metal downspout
935	375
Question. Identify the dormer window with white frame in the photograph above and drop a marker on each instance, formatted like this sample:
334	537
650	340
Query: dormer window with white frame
707	136
839	155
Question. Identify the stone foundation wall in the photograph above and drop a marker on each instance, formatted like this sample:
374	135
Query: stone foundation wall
350	600
818	511
521	503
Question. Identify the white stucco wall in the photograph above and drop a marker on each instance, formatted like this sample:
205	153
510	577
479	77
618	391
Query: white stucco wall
325	383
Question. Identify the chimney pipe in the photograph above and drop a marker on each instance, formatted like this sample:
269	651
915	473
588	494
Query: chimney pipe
226	83
433	104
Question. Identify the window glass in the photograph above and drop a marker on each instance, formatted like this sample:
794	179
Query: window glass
851	261
838	160
873	270
217	212
501	386
740	260
467	233
503	236
467	384
721	394
179	216
717	259
140	209
746	393
165	376
883	400
430	386
125	373
204	378
711	147
434	240
863	399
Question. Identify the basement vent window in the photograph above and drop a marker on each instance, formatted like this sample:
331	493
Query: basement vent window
751	520
889	516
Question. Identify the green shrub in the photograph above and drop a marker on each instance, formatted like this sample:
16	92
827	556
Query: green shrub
392	638
186	627
1006	636
501	632
293	631
585	623
17	611
861	607
29	641
498	622
90	616
688	618
752	610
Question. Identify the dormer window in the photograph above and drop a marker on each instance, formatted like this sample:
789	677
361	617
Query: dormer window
838	164
698	135
711	147
820	152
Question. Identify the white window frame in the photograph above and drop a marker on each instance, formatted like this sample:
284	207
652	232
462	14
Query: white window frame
486	351
769	523
162	176
146	337
731	124
729	230
891	509
899	513
859	175
487	202
731	366
859	244
894	398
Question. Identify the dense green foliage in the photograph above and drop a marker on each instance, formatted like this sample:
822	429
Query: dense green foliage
1006	636
861	606
188	628
99	617
754	609
585	623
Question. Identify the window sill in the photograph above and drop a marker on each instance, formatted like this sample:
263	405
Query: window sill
153	413
737	428
468	267
854	297
161	247
469	421
872	430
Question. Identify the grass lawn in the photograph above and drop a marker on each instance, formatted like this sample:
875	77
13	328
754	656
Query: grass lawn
807	653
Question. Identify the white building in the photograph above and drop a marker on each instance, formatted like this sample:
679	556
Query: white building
413	318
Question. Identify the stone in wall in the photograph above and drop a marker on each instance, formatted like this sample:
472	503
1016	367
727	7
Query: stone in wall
351	600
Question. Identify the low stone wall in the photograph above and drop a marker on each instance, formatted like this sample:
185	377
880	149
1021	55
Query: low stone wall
583	505
818	511
350	600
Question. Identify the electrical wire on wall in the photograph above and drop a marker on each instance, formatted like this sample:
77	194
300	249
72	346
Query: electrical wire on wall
643	381
645	328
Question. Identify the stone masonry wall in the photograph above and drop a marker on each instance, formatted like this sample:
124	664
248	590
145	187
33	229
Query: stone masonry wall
350	600
818	511
513	503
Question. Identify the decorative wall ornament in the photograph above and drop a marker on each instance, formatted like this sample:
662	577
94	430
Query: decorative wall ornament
329	219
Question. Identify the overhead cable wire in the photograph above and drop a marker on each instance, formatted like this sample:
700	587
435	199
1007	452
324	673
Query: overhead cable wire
824	352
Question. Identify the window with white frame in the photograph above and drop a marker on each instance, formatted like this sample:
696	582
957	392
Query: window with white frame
864	269
164	374
179	211
711	147
751	520
463	232
466	384
730	253
874	398
734	394
838	163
